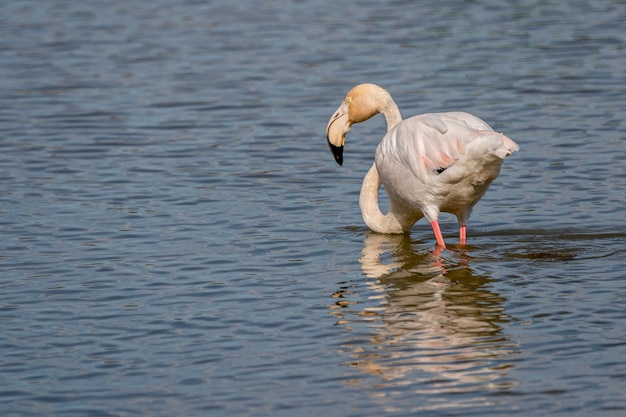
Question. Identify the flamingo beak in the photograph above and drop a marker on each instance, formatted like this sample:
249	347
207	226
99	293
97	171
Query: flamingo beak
336	130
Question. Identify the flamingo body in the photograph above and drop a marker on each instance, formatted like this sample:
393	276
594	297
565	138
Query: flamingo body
429	163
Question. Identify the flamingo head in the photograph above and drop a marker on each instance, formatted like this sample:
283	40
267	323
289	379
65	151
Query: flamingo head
361	103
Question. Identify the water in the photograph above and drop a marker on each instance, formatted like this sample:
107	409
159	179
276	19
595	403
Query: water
177	239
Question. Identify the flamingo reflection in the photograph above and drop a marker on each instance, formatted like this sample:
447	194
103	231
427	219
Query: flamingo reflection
420	323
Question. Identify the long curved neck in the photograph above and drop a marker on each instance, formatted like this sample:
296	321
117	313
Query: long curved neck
370	210
368	199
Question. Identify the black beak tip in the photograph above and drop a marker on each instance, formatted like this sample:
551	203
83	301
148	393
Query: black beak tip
337	153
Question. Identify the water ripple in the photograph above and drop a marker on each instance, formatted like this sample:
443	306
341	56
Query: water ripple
176	239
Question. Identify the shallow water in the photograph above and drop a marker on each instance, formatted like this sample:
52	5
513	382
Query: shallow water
177	239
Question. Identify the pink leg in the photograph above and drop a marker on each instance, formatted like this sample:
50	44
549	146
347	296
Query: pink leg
462	234
435	225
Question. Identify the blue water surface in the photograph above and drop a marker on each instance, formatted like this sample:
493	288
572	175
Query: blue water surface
178	241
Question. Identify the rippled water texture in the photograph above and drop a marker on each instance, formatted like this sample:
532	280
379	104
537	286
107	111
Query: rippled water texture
178	241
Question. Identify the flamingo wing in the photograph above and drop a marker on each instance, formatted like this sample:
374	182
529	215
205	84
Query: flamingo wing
430	143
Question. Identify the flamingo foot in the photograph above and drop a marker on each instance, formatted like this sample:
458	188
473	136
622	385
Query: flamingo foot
462	235
435	225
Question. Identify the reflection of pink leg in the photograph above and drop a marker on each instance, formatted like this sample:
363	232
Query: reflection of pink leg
462	232
435	225
437	253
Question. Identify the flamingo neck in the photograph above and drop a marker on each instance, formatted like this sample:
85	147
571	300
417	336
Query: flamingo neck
368	201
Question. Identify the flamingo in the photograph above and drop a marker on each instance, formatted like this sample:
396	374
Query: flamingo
429	163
